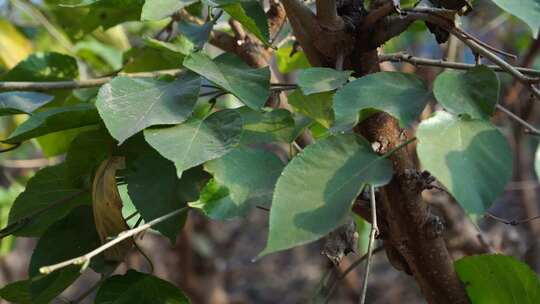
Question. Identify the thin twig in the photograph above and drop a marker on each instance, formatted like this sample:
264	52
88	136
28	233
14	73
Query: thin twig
529	129
15	146
374	231
404	57
511	222
85	259
349	270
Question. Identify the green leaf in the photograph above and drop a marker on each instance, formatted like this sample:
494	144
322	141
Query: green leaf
266	127
17	292
197	34
86	152
316	106
22	102
54	120
180	44
160	9
129	105
251	86
136	287
45	200
317	188
84	16
289	61
474	92
150	58
317	80
498	279
471	158
44	67
197	141
73	236
153	189
244	178
526	10
401	95
250	14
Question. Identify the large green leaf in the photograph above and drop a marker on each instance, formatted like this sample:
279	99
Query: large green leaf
54	120
316	106
160	9
129	105
401	95
315	192
46	199
44	67
317	80
251	15
251	86
471	158
81	17
86	152
526	10
474	92
498	279
22	102
266	127
243	179
141	288
73	236
17	292
153	189
197	141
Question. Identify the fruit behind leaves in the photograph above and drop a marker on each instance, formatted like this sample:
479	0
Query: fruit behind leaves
107	206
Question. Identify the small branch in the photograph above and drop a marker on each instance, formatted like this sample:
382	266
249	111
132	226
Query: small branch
372	234
404	57
85	259
511	222
529	129
90	83
349	270
15	146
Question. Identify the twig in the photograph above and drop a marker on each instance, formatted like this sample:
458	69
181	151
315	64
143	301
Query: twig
404	57
511	222
401	146
374	231
15	146
85	259
529	129
348	270
96	82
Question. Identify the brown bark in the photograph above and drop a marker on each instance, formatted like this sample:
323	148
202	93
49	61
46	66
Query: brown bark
413	235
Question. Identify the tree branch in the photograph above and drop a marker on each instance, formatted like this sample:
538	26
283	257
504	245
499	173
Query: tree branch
327	15
85	259
404	57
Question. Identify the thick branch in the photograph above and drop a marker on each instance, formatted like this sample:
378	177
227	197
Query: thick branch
327	15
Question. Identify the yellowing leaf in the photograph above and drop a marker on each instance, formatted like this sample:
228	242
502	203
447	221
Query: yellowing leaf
107	206
14	47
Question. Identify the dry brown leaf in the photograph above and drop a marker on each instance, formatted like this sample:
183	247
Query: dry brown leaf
107	206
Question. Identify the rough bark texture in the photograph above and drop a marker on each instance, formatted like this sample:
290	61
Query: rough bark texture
413	238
